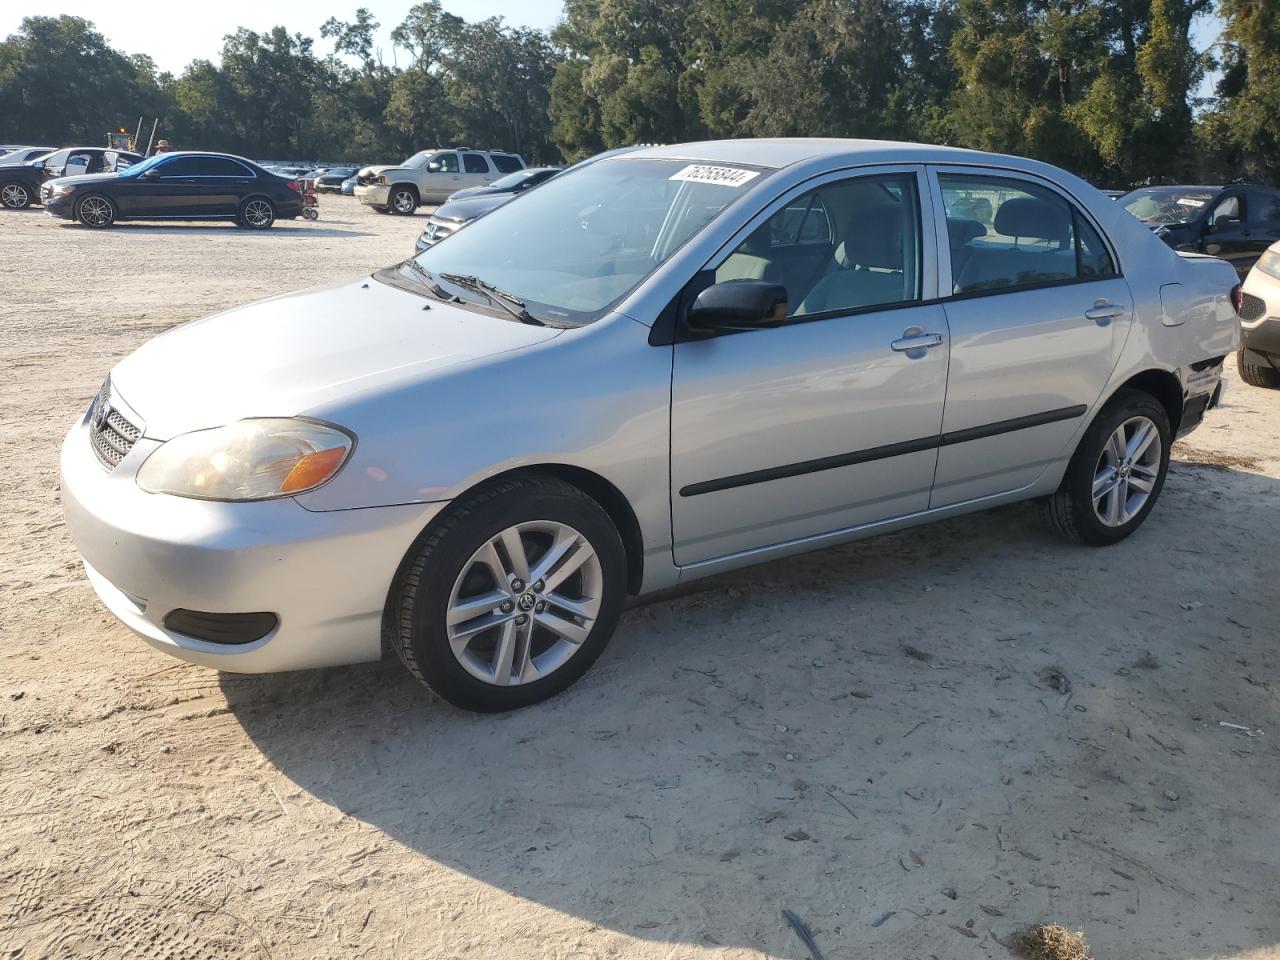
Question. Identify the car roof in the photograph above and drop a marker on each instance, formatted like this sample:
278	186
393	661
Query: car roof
786	151
211	153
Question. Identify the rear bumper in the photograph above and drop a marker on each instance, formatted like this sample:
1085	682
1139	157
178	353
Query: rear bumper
325	575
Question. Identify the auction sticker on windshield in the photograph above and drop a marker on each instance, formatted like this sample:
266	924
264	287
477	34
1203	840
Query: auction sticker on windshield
724	176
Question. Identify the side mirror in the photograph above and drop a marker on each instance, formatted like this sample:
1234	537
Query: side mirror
739	305
38	164
1224	221
433	166
152	174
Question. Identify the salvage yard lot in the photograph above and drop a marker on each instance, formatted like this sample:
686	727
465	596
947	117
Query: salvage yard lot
918	743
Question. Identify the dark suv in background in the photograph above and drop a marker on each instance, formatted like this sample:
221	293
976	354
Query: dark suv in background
1236	222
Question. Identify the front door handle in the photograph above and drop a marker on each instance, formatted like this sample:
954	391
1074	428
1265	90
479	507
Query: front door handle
916	340
1102	312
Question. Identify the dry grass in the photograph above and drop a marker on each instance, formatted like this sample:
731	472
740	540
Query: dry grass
1051	942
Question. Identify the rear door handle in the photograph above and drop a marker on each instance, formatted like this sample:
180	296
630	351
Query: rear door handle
916	341
1102	312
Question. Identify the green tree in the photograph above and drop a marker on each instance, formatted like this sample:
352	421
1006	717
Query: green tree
1250	109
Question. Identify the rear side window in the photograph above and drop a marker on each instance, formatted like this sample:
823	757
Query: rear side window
474	163
1010	234
222	167
505	163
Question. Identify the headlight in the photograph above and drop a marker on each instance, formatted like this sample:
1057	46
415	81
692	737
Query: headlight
249	460
62	189
1269	263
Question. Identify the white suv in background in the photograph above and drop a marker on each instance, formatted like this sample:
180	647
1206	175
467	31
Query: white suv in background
430	176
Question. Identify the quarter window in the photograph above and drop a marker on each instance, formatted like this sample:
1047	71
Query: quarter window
474	163
844	246
505	163
1010	234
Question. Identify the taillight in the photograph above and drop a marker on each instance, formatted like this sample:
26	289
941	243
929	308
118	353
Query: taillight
1237	298
295	186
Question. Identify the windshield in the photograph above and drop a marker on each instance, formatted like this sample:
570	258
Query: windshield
1167	205
512	180
583	240
418	160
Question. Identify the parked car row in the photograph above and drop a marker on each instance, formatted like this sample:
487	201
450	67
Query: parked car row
724	353
20	183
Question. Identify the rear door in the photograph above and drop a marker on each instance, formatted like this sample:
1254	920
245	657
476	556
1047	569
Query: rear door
476	170
1038	314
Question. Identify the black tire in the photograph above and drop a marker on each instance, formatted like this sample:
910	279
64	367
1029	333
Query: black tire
414	622
1256	369
379	209
256	213
15	196
96	211
403	201
1071	508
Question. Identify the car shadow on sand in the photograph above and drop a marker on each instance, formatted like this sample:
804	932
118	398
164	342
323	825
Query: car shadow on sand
912	742
282	228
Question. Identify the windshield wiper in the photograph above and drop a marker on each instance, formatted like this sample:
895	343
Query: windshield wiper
437	291
507	301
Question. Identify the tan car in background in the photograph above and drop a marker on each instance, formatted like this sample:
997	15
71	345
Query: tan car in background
1259	356
430	176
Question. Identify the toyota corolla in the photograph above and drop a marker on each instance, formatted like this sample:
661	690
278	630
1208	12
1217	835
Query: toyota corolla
655	367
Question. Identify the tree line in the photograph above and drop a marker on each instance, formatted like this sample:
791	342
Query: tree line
1106	88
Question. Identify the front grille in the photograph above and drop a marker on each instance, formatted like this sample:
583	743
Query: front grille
438	228
111	435
1252	308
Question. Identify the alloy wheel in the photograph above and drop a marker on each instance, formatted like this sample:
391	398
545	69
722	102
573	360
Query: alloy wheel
15	196
95	211
257	213
403	202
1127	471
524	603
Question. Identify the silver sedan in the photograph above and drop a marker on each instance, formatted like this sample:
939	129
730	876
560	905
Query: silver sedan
655	367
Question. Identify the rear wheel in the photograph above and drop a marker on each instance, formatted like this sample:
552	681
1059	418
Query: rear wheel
403	201
256	213
511	597
95	211
1256	369
15	196
1117	472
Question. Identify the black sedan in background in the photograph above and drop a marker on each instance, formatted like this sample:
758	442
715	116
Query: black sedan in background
20	183
332	178
178	186
465	205
1236	222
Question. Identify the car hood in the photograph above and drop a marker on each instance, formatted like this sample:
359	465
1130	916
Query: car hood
378	168
469	208
305	352
87	178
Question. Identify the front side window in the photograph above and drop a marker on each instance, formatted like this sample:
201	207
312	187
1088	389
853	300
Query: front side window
447	162
1009	234
844	246
474	163
180	167
77	163
583	240
1229	208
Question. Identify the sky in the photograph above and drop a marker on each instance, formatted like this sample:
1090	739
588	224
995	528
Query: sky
144	26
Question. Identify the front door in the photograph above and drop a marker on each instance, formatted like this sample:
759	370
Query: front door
829	421
1038	316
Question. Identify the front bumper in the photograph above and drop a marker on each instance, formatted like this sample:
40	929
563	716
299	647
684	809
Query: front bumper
374	194
324	574
1260	323
63	207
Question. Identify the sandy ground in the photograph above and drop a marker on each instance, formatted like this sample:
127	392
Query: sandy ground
917	743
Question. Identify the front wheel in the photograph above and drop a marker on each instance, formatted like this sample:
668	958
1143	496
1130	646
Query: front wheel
1117	472
15	196
1256	369
96	211
511	597
403	201
256	213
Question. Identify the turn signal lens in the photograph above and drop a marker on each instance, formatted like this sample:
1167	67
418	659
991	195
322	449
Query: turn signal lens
249	460
314	469
1269	263
1237	298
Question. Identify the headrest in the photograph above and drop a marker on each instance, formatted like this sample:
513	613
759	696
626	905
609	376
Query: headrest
874	237
961	231
1034	218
